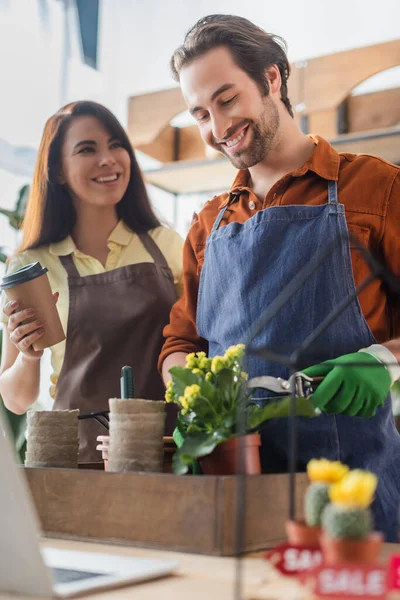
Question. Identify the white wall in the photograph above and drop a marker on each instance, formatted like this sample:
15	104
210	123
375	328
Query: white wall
153	29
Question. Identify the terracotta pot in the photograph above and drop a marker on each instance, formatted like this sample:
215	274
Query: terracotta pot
339	550
224	460
301	534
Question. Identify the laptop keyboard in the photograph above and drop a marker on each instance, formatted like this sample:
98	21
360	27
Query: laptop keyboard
69	575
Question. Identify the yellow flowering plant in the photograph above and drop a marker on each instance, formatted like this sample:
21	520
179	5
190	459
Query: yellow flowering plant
322	470
208	392
355	490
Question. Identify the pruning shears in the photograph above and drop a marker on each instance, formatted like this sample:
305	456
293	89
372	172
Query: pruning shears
299	383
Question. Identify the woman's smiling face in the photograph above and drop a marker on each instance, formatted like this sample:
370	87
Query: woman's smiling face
95	167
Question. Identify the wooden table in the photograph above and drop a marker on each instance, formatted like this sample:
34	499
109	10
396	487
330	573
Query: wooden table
199	577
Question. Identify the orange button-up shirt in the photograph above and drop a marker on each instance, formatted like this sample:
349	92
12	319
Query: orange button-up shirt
369	188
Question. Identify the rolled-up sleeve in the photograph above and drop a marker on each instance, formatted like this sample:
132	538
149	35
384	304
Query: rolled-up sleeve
181	332
391	250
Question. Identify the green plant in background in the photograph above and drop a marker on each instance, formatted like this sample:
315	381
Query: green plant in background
208	393
16	216
17	423
348	516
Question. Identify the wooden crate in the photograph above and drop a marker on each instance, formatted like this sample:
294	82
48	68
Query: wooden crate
188	514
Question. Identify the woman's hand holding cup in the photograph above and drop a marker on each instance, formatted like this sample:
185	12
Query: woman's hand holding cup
24	330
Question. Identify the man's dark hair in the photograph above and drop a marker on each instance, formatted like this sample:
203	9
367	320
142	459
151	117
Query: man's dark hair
253	49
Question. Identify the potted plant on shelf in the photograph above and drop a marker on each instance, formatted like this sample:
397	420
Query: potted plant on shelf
322	474
209	392
347	521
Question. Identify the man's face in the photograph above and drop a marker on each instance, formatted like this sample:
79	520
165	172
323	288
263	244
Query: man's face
231	112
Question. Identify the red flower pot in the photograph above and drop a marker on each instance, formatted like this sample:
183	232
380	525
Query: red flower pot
301	534
339	550
224	459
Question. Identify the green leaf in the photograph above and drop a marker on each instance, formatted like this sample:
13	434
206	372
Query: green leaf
209	391
178	437
277	408
7	213
226	384
204	410
22	201
181	378
195	446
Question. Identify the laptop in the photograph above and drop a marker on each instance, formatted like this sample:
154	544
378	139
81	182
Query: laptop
27	569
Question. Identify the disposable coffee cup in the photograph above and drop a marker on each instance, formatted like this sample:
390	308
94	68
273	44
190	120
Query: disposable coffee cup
30	287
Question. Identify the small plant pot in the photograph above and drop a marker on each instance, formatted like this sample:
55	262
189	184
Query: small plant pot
301	534
339	550
224	460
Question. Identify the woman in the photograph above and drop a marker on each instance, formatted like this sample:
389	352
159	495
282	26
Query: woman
116	269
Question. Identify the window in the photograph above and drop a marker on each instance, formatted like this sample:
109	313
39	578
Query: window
88	11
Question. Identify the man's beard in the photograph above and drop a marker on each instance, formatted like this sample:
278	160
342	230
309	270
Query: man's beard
264	131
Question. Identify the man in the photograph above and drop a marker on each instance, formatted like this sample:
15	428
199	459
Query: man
294	198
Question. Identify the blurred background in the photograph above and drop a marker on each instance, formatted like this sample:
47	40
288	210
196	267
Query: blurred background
345	85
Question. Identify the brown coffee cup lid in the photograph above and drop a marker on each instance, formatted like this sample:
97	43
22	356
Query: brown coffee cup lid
23	275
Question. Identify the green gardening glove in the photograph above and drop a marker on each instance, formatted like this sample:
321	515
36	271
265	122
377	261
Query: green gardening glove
351	390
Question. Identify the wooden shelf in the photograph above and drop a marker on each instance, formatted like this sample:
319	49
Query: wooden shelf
210	176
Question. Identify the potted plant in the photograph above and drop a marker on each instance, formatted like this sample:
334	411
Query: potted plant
347	521
209	392
17	423
322	473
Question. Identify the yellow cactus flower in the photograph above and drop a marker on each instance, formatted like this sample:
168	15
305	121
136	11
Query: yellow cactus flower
326	471
355	490
197	371
201	355
209	376
217	364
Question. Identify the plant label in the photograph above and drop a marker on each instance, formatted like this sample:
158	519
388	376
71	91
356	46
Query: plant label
394	572
291	560
349	581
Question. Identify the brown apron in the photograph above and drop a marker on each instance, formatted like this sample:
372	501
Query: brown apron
115	319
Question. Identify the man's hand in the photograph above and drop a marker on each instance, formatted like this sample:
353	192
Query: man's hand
351	390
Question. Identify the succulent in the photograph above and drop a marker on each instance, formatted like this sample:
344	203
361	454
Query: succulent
316	499
343	522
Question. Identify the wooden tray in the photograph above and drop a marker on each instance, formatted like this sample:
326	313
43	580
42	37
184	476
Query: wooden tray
189	514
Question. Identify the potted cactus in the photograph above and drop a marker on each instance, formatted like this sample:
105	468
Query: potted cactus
347	521
322	474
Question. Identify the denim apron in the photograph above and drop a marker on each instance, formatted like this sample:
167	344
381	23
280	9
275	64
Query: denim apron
246	266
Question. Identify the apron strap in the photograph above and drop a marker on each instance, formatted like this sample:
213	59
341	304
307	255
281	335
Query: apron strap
69	265
332	192
218	220
153	249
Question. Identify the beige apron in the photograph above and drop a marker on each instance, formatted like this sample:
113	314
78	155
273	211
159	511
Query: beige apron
115	319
